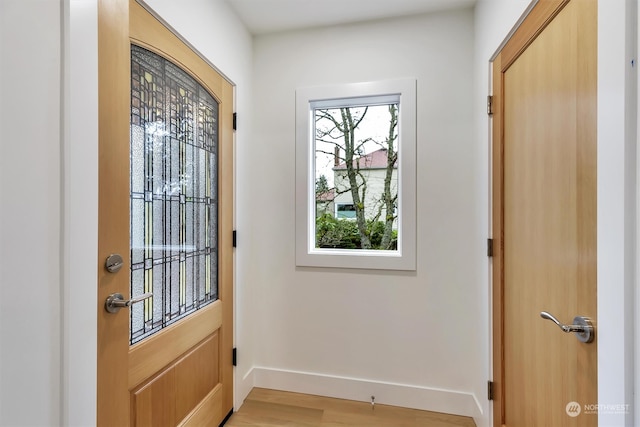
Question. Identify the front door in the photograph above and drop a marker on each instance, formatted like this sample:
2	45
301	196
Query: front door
544	217
165	227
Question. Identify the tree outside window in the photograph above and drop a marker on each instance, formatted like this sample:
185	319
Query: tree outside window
356	158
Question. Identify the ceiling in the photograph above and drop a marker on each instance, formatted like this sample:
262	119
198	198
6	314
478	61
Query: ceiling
268	16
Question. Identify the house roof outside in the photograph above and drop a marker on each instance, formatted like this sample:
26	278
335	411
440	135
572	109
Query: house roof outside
374	160
326	196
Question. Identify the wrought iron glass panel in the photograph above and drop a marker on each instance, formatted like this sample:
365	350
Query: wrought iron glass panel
174	193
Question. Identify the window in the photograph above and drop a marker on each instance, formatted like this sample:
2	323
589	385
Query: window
356	175
344	211
174	189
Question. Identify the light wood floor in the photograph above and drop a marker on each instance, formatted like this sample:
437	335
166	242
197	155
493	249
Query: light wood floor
278	408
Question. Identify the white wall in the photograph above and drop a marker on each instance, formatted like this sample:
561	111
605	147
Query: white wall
617	136
410	339
80	232
30	212
636	361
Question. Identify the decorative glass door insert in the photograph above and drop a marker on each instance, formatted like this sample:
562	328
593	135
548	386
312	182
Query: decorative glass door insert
174	189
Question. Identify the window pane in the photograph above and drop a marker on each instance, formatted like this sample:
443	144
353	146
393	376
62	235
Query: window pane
356	164
174	189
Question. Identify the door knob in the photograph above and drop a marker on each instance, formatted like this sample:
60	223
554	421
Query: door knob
115	302
582	326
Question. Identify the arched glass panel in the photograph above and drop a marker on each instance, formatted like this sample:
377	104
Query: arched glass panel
174	193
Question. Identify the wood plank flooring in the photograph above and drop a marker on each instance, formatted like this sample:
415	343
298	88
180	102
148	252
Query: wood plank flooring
279	408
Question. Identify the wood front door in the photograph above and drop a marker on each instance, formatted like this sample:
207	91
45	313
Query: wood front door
165	205
544	217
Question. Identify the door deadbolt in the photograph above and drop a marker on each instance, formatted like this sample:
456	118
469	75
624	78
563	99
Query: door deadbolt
113	263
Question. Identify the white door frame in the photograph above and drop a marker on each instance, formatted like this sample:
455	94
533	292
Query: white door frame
617	237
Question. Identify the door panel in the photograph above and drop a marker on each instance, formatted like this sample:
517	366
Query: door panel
545	216
172	394
182	373
152	354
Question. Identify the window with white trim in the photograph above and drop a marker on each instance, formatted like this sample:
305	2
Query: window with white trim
356	175
343	211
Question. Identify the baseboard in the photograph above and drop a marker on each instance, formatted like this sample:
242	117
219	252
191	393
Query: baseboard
408	396
242	387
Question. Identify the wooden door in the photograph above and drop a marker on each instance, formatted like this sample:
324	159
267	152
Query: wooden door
165	205
544	217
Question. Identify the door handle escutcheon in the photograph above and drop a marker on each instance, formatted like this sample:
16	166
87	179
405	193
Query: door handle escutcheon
582	326
115	302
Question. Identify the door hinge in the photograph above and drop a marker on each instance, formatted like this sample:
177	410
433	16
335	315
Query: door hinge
234	357
235	121
489	105
490	390
490	248
235	238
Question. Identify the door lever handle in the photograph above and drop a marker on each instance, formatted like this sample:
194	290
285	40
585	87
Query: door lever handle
582	327
115	302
